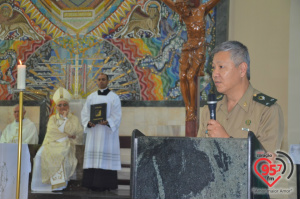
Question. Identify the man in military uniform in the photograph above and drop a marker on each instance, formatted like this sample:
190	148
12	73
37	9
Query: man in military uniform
242	107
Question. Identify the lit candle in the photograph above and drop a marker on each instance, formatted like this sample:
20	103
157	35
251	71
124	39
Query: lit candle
21	76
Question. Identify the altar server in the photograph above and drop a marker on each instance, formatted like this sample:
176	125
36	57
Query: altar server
102	147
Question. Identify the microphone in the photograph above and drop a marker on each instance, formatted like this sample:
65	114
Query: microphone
212	104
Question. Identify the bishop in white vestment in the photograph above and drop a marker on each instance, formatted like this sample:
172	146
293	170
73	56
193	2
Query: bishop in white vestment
55	162
102	147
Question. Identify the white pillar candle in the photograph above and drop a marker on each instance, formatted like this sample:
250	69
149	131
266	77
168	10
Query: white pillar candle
21	76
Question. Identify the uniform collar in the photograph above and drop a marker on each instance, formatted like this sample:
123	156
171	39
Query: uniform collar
244	102
223	104
246	99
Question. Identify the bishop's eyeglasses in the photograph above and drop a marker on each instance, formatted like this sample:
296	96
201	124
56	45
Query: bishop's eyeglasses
63	105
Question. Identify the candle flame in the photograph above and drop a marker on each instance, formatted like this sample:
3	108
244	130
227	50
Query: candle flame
20	61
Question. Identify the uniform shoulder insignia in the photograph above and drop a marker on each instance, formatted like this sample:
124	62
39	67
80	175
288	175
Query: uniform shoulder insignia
219	97
264	99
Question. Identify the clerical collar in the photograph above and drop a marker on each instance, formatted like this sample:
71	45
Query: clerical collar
103	91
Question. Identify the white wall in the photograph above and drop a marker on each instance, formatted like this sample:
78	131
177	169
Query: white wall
294	75
263	26
271	29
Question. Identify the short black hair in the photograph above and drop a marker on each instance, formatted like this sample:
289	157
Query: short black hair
104	74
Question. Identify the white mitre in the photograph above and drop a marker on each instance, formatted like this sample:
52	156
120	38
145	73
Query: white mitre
62	94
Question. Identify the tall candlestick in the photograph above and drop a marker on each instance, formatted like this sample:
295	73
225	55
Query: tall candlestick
21	76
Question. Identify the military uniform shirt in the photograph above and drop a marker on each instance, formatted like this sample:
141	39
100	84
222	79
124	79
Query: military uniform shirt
266	122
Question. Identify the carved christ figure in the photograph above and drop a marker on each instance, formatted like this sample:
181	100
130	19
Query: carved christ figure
193	51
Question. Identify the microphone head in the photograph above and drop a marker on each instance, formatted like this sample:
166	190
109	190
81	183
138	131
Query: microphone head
212	99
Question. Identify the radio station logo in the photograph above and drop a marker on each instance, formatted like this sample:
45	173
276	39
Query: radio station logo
272	167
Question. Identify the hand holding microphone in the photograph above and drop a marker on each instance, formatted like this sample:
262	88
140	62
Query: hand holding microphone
212	104
214	127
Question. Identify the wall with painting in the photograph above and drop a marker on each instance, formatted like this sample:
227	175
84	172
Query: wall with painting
136	42
67	43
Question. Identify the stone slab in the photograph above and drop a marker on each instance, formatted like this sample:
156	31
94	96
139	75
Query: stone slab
181	167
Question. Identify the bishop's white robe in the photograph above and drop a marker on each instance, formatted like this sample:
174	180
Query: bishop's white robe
29	133
102	147
55	162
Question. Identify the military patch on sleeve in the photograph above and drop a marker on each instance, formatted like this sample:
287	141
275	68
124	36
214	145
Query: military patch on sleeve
264	99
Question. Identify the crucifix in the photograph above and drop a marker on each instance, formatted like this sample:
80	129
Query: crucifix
76	80
192	59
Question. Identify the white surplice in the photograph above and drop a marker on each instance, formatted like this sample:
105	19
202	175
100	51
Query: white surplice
102	147
29	133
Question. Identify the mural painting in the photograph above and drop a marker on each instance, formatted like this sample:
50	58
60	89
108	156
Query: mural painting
67	43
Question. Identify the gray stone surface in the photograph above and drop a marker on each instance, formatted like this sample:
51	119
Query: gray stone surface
181	167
